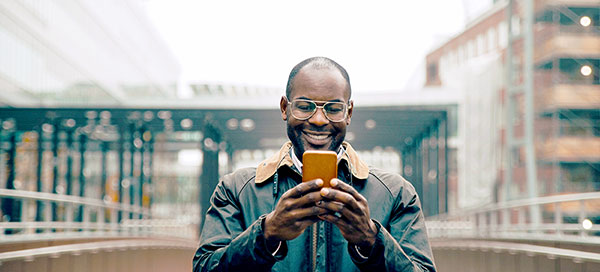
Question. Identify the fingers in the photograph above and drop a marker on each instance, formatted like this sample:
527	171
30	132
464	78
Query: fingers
344	220
303	213
309	198
303	188
338	184
332	206
340	196
336	220
338	210
302	195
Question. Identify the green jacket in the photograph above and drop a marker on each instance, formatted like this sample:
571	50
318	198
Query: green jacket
232	237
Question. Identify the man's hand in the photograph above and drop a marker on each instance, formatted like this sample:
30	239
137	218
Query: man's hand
354	220
295	211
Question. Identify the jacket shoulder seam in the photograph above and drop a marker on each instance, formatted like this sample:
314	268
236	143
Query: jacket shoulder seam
240	174
382	183
244	186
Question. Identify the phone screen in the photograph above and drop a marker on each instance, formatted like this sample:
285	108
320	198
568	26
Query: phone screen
319	164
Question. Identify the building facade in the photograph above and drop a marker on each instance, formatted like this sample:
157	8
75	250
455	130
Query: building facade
82	53
566	105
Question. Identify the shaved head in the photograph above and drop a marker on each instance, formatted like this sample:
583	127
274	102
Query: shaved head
316	63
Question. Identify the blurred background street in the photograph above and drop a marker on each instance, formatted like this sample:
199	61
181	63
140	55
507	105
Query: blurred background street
117	119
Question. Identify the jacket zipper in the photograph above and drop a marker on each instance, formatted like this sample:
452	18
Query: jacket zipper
314	246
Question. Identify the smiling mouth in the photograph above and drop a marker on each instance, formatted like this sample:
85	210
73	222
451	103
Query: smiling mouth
317	137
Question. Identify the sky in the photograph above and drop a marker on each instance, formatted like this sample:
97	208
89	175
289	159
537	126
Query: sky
381	44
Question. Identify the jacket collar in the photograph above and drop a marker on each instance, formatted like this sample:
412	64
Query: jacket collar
268	167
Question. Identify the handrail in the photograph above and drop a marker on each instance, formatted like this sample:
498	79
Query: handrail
529	219
78	248
43	196
550	252
521	203
98	218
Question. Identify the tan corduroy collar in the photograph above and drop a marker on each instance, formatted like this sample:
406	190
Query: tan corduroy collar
268	167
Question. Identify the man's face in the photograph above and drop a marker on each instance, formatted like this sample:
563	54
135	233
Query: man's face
317	132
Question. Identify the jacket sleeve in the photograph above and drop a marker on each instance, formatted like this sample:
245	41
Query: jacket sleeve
224	243
403	246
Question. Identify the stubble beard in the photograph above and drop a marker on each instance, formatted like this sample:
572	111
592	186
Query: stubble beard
295	136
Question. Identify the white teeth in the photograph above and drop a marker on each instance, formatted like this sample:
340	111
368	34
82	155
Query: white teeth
317	137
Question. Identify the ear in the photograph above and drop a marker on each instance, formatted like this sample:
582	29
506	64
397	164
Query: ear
283	106
350	108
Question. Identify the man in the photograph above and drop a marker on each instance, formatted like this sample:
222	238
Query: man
266	219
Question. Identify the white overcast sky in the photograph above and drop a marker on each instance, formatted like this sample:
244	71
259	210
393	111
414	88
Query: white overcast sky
381	43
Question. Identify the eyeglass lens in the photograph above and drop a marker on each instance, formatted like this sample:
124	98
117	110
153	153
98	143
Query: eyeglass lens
304	109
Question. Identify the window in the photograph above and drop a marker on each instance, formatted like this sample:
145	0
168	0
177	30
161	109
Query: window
502	35
452	58
516	25
491	39
480	45
432	73
461	54
470	49
581	177
443	63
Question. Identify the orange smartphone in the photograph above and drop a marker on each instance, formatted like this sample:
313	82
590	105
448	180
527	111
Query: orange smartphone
319	164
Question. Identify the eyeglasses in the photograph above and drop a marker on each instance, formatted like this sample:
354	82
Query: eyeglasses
303	109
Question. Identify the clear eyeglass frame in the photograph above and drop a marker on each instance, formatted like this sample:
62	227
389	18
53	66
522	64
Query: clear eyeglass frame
323	107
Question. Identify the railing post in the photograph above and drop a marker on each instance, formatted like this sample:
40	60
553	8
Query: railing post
69	216
69	124
522	219
82	149
505	221
481	225
114	225
121	184
150	166
100	219
47	215
210	165
10	207
40	207
558	219
24	213
142	177
55	160
86	218
132	152
474	227
104	194
493	223
583	232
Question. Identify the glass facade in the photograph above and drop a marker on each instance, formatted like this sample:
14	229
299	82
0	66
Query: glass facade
81	53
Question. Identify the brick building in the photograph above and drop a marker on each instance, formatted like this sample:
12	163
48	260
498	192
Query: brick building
566	104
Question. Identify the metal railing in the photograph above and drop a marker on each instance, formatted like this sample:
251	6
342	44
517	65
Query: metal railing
576	256
94	247
126	255
568	218
90	233
495	256
98	218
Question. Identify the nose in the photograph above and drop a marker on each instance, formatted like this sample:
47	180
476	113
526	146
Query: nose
318	118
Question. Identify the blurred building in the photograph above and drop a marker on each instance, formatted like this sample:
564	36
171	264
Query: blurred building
566	59
82	53
89	56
